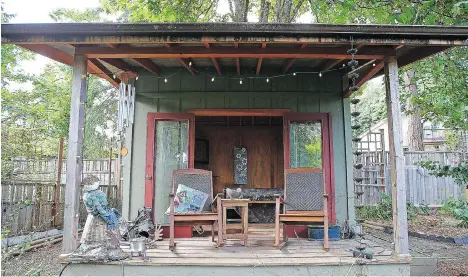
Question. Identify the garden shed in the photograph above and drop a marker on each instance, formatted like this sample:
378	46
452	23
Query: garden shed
199	92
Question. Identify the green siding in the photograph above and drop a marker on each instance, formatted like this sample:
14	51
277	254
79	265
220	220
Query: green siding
184	92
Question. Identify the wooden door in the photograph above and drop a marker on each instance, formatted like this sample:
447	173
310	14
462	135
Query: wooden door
308	144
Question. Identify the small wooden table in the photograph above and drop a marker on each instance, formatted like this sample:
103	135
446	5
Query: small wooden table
244	226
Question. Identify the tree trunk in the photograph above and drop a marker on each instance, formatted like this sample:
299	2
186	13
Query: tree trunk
264	11
415	127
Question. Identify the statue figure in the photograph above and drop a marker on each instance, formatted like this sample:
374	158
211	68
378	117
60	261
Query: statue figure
100	239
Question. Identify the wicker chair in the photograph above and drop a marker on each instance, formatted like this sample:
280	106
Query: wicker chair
200	180
305	202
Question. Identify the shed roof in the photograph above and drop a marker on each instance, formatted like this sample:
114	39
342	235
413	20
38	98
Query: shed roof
243	48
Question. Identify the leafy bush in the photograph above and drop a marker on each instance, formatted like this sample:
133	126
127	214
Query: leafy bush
459	172
458	209
383	210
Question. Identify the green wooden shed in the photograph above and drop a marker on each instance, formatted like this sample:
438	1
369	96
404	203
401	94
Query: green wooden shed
194	92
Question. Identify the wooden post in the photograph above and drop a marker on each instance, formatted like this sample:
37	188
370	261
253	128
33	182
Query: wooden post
75	155
397	162
56	209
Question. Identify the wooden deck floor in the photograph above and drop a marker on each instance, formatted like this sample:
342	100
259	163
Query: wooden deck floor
201	251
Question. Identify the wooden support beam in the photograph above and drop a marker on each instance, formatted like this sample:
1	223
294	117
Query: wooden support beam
289	62
397	159
224	52
147	64
331	64
182	61
75	155
260	60
104	72
419	54
215	62
62	57
236	45
366	77
121	65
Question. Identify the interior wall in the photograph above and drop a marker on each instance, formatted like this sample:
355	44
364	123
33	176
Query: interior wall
264	155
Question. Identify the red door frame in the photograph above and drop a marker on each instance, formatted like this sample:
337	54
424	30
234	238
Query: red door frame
327	151
150	148
327	146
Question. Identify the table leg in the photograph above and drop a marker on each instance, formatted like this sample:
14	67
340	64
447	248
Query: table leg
245	223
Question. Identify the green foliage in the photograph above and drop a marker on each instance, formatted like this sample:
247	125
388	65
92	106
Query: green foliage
161	10
459	172
315	151
443	82
458	209
75	15
383	210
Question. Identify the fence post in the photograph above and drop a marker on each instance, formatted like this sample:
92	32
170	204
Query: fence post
117	176
56	207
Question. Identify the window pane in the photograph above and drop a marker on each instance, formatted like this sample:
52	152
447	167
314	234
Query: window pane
305	142
171	147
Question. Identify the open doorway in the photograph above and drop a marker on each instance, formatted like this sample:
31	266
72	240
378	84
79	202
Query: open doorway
241	151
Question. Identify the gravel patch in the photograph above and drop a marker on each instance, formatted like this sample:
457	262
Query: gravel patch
452	258
40	262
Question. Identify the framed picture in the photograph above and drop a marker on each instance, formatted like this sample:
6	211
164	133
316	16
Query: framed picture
202	151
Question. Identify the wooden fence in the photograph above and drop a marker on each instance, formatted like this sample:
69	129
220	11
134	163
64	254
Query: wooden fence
421	187
29	195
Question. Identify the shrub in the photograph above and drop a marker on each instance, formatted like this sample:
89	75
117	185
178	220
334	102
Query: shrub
456	208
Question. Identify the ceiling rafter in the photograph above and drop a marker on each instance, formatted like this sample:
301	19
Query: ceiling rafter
367	76
215	62
106	73
289	62
185	63
331	64
147	64
121	65
260	60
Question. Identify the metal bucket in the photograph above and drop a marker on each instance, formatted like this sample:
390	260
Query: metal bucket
138	245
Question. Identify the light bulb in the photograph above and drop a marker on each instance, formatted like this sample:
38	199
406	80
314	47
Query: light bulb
136	78
190	64
240	82
320	74
373	64
294	73
212	79
165	80
268	80
113	76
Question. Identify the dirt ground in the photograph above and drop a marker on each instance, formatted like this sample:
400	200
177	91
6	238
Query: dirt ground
452	258
43	262
434	224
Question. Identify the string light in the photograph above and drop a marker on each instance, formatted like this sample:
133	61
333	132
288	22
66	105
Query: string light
136	78
240	82
113	76
320	74
212	79
190	64
373	64
268	80
165	80
294	74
